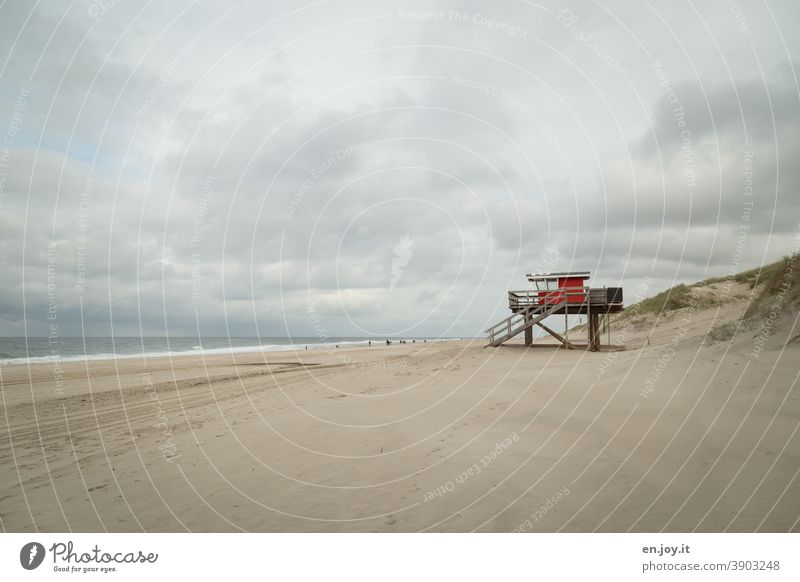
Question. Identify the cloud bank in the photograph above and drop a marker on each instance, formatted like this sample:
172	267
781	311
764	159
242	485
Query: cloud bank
380	168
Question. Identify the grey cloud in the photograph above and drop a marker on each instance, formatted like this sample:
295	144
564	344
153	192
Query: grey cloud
213	144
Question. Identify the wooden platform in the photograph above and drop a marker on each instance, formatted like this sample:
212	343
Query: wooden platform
582	309
573	301
530	307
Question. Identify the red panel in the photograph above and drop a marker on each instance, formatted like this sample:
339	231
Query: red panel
553	297
549	297
579	282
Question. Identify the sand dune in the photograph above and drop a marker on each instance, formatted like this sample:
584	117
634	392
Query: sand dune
677	433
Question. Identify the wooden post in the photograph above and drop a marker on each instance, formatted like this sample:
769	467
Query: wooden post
529	336
589	318
593	325
595	332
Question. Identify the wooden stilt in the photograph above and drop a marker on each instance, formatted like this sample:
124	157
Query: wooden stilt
594	332
589	324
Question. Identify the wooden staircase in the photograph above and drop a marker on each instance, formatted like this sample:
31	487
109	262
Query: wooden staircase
518	322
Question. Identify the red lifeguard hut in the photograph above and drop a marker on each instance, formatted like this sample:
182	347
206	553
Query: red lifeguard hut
565	293
552	287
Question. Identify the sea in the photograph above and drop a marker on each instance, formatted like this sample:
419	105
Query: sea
20	350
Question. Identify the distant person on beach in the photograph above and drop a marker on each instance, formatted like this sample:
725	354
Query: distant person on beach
388	342
370	343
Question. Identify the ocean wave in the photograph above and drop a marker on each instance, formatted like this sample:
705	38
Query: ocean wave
193	351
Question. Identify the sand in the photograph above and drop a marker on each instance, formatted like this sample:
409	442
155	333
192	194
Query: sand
670	434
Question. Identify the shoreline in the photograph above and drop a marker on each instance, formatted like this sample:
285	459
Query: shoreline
211	352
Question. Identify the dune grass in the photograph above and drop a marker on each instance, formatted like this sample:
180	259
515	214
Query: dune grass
780	279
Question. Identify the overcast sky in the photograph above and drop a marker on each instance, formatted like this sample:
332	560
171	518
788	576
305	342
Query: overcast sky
381	167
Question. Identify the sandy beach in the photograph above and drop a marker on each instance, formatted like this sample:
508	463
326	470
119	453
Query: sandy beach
671	434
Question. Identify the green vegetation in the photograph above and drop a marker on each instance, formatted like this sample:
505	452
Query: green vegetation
777	291
724	332
772	272
779	281
672	299
677	297
781	286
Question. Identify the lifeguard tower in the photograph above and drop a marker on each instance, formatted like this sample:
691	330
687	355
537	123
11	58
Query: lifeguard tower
557	294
